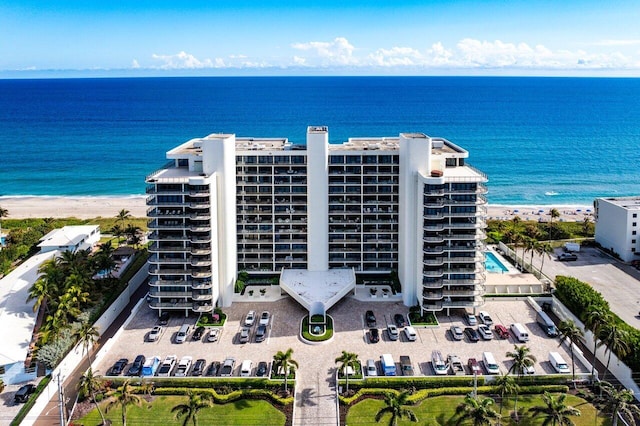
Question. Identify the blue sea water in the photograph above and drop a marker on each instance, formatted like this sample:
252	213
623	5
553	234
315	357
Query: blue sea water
540	140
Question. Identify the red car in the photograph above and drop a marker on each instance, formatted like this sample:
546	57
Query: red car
474	367
501	331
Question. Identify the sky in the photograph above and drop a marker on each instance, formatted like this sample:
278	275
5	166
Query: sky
312	37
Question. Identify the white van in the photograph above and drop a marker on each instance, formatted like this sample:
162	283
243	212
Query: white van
520	332
438	364
558	363
245	368
182	333
490	363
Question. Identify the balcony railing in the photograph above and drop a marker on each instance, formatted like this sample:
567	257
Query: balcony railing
202	307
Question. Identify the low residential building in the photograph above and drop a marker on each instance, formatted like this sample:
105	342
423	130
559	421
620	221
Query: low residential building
70	238
618	226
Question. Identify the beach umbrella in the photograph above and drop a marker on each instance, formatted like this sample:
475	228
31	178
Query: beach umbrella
578	210
540	211
588	210
516	211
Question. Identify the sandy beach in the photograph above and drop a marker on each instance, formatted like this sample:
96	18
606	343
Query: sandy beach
89	207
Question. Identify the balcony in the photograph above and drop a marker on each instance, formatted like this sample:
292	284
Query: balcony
199	204
432	295
174	305
200	262
155	270
434	239
433	261
173	294
201	296
205	307
153	248
201	285
155	259
158	283
433	272
201	274
200	251
155	236
433	285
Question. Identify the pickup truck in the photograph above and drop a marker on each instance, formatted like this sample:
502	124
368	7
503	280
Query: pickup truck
455	364
566	257
406	366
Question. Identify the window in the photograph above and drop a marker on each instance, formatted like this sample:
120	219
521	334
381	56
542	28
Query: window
633	249
633	241
634	224
635	215
633	232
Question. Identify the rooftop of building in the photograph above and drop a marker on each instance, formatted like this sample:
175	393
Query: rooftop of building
630	203
68	235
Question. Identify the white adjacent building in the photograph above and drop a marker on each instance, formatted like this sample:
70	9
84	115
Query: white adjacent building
70	238
270	207
618	226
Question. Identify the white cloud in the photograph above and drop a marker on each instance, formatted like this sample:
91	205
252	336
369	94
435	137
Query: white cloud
135	64
336	52
182	60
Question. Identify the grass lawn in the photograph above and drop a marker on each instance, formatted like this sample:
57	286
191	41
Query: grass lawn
158	412
440	410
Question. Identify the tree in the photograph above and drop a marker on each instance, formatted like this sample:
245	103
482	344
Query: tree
87	335
555	411
133	234
619	403
346	360
122	216
505	386
596	320
479	411
123	397
522	358
118	231
570	332
395	405
46	288
554	213
283	360
89	384
190	410
615	339
544	250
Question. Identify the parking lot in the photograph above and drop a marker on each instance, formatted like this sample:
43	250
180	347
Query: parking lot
351	334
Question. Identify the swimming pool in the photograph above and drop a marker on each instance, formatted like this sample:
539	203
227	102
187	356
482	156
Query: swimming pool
493	264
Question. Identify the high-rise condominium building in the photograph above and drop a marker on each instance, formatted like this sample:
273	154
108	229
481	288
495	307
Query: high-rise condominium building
267	206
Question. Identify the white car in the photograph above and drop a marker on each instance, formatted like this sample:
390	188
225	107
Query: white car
155	333
264	318
485	332
529	369
250	318
471	319
183	366
372	370
392	331
485	318
213	335
456	332
167	366
410	333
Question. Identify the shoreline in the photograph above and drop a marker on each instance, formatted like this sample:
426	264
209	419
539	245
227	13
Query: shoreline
88	207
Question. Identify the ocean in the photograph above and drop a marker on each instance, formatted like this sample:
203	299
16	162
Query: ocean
540	140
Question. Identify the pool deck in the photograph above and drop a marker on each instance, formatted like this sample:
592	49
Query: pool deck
512	281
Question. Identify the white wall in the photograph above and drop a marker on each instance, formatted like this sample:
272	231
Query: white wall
613	229
317	199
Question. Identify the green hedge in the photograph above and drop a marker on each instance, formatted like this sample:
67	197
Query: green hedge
580	298
30	402
202	382
428	382
226	398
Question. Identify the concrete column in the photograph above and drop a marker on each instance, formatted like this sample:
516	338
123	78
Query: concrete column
318	198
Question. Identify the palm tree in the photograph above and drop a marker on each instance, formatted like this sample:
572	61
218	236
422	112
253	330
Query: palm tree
123	397
570	332
46	288
620	403
554	215
596	320
284	360
122	216
133	234
395	405
118	231
544	250
190	410
89	384
87	335
3	213
615	339
505	386
346	360
521	357
479	411
555	411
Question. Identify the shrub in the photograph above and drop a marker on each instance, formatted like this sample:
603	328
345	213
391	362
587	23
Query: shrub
579	297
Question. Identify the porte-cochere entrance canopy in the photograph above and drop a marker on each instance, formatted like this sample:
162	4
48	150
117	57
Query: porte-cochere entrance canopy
318	290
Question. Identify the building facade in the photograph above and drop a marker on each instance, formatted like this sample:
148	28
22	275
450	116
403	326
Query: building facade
617	226
408	204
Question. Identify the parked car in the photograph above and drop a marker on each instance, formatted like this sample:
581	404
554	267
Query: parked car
374	335
118	367
244	335
371	368
370	318
163	319
136	367
214	334
261	333
485	318
474	367
198	367
392	331
485	332
197	335
227	367
456	332
528	369
22	394
213	369
261	370
155	333
399	320
250	318
566	257
264	318
472	335
406	366
183	366
167	365
410	333
455	364
501	331
471	319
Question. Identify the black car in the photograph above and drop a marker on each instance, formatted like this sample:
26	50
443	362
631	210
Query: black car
472	334
198	367
262	369
374	335
370	318
163	319
22	395
399	320
136	367
118	367
213	369
197	335
261	333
